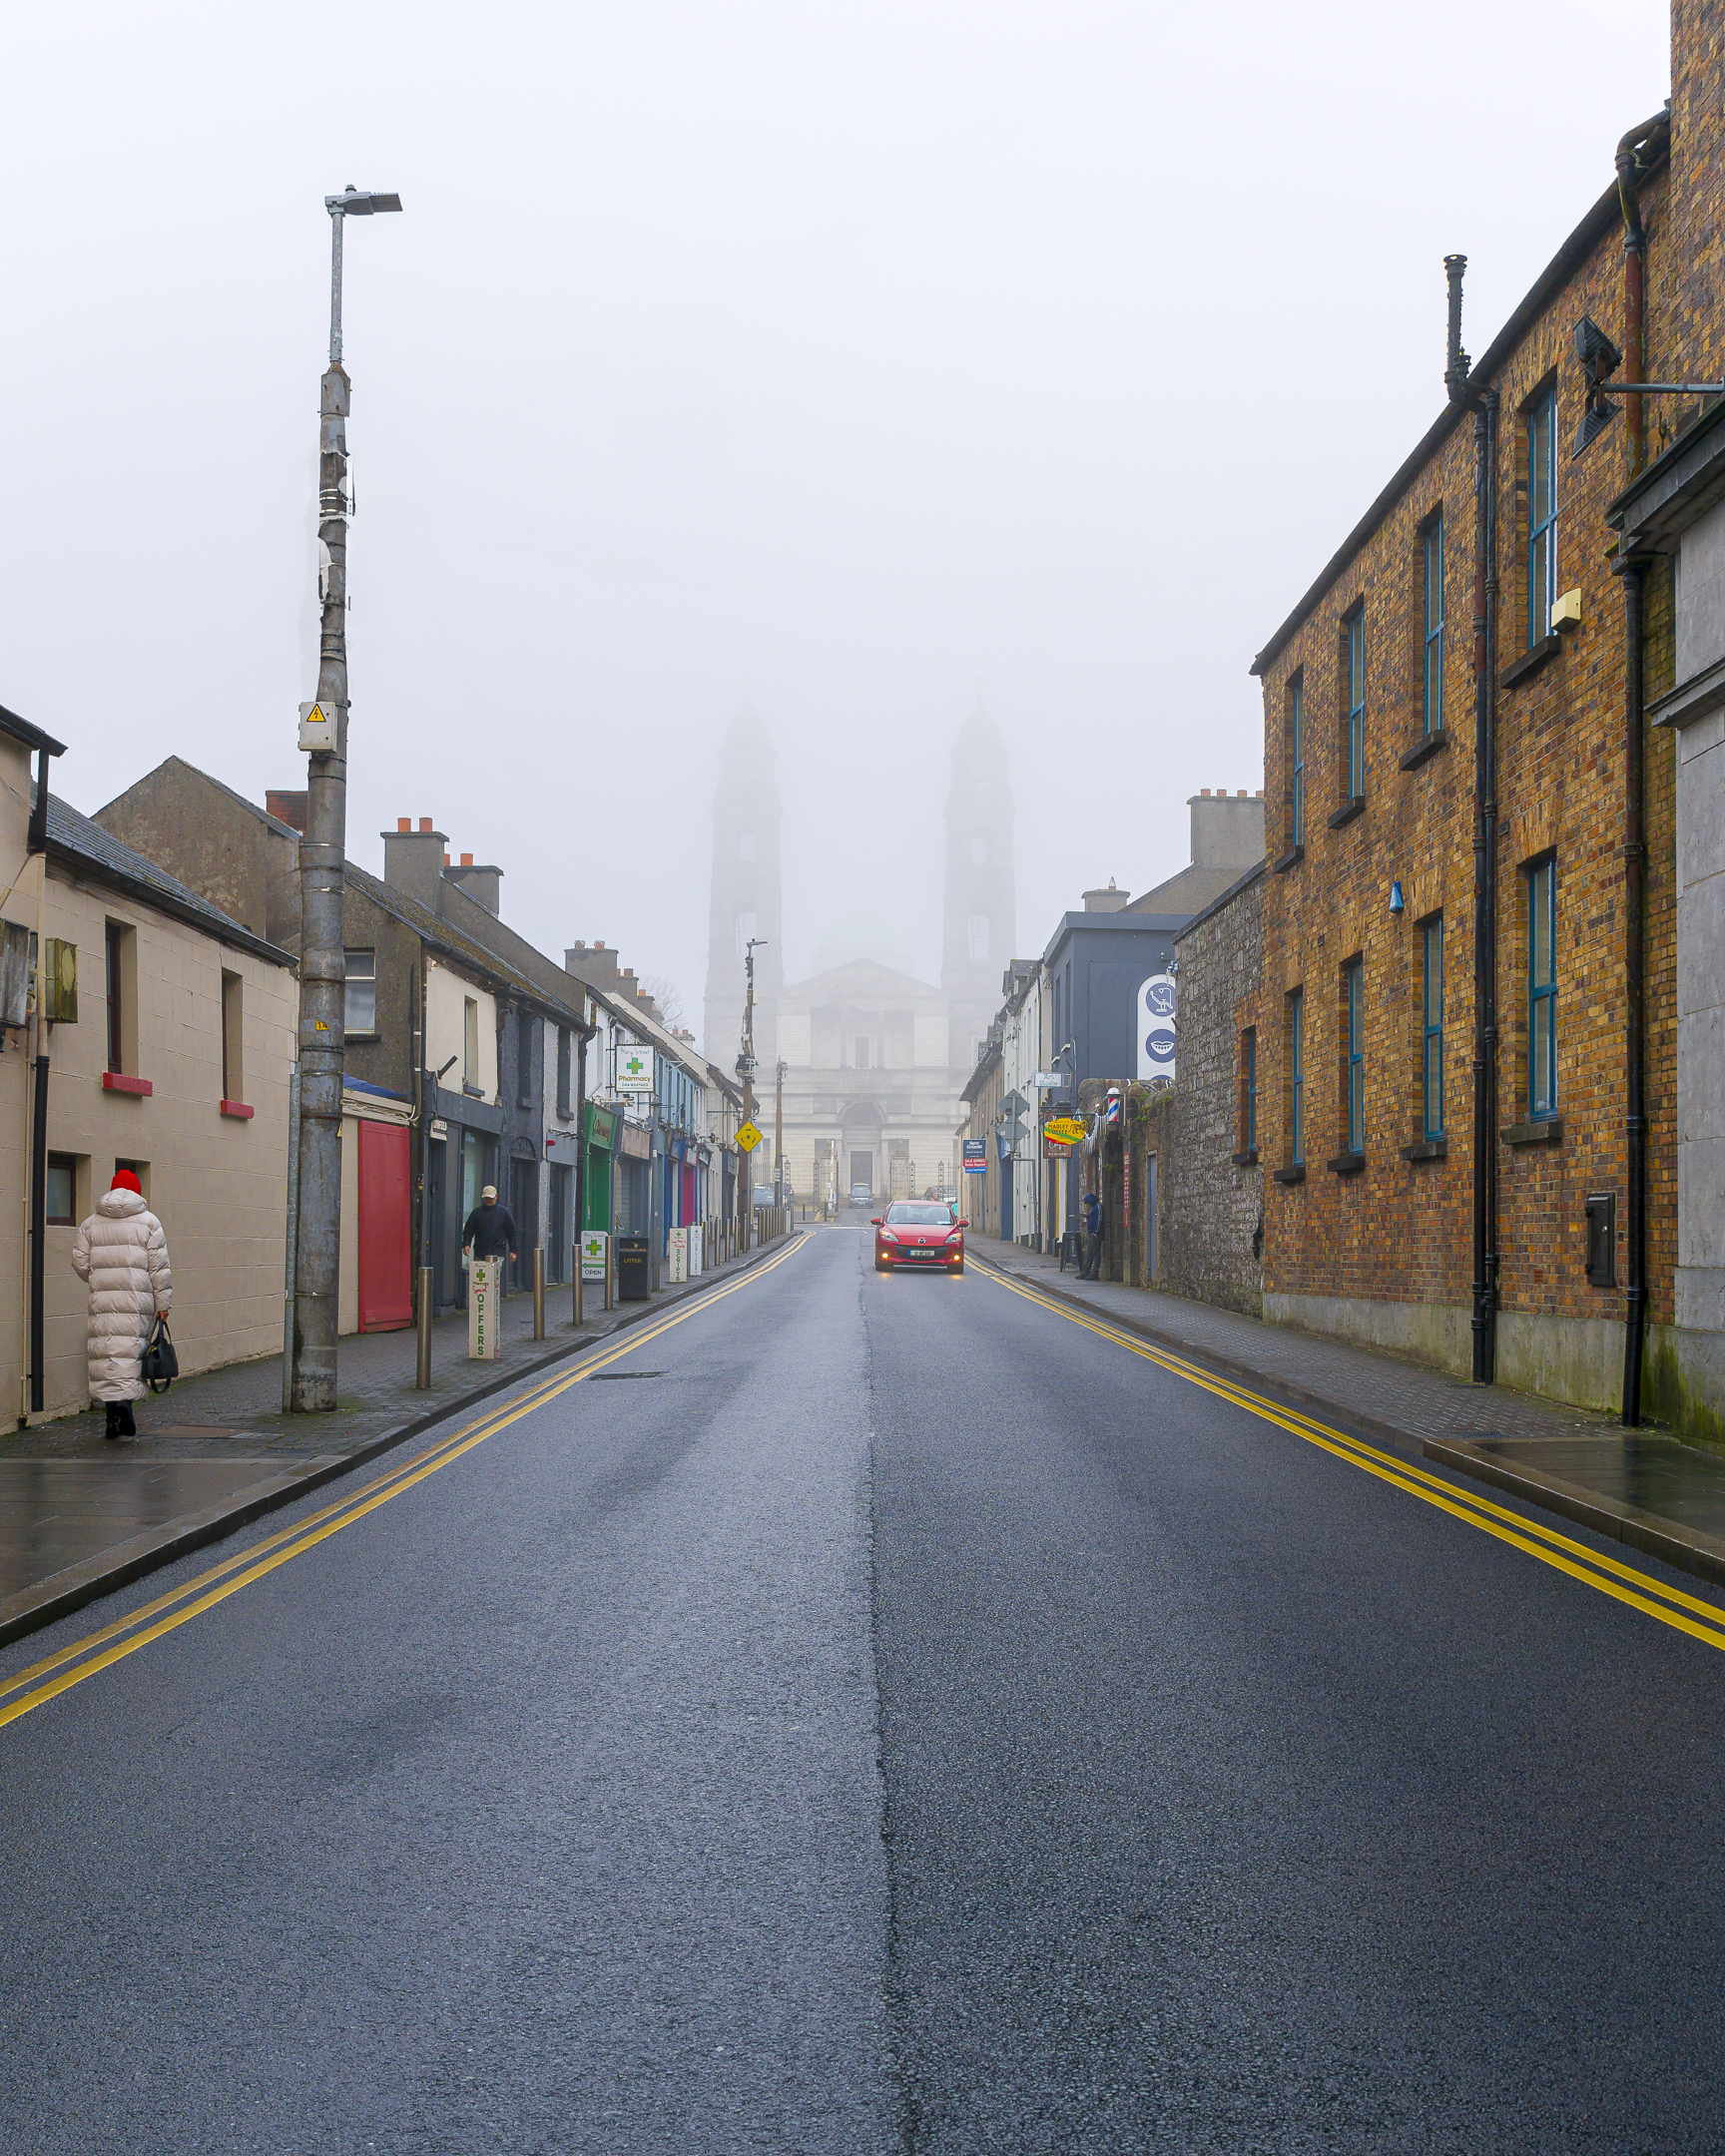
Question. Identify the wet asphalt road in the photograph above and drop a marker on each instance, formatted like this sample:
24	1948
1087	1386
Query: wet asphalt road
904	1723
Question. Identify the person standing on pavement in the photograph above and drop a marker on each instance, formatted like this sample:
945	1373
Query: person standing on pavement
490	1230
123	1254
1091	1269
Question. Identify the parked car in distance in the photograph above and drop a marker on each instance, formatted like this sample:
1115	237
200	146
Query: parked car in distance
919	1231
862	1195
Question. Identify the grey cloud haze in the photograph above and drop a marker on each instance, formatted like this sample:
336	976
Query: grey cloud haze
858	361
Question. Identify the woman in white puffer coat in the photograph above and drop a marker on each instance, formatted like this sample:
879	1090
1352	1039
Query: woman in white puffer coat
121	1250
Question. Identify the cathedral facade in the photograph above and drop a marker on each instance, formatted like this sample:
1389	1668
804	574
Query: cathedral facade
875	1058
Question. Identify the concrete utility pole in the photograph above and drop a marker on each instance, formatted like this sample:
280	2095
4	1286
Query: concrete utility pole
322	873
746	1071
779	1137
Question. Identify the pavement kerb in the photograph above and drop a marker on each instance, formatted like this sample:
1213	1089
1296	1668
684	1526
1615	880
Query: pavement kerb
1685	1549
63	1592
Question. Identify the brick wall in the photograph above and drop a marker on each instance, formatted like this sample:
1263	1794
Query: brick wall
1383	1251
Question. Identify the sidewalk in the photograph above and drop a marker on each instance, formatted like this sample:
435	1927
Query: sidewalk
1640	1487
80	1516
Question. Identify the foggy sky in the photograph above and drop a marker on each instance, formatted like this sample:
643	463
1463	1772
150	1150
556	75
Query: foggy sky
858	360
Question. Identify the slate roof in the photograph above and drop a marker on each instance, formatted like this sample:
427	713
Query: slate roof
73	839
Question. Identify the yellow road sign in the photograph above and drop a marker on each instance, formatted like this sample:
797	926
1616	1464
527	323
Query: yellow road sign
748	1137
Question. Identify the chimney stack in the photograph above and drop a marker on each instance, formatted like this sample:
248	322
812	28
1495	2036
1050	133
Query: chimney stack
287	808
413	860
484	882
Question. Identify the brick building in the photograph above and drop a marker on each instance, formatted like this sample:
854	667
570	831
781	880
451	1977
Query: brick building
1450	1032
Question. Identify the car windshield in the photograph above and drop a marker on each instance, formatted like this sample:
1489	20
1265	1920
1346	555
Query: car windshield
918	1216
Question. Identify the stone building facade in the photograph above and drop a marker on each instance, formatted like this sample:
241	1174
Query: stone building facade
1381	1149
1200	1174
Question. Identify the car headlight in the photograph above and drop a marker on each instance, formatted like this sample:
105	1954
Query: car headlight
887	1235
957	1235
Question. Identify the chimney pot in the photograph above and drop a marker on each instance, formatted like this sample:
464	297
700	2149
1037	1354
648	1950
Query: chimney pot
403	823
446	857
598	943
1242	793
1205	792
424	823
466	860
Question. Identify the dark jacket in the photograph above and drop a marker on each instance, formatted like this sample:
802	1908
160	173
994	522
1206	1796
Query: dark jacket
491	1231
1093	1216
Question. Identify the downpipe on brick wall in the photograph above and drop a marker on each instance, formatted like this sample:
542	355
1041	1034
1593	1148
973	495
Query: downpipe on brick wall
1486	1250
1634	849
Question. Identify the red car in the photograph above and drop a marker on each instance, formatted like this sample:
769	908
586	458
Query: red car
922	1232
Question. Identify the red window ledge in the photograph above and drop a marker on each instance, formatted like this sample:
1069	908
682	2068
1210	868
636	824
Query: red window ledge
236	1107
118	1082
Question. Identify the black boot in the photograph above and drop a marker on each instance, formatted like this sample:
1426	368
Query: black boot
113	1428
127	1428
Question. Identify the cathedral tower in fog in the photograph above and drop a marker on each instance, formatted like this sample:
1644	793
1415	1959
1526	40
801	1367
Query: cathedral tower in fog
874	1059
746	899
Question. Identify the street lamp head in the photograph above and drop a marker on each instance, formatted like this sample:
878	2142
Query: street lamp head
359	201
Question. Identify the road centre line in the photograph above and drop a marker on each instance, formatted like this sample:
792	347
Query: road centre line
220	1581
1670	1605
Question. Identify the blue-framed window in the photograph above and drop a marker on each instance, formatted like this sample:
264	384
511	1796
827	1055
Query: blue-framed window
1354	629
1248	1072
1353	983
1542	991
1435	622
1296	756
1297	1076
1431	1003
1541	515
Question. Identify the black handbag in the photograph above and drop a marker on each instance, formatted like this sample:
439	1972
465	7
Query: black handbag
161	1363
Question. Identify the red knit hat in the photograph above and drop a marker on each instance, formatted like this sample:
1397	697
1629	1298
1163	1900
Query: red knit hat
124	1179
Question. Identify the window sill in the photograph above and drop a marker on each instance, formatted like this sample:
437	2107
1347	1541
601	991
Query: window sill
472	1092
1291	858
1531	661
1347	811
360	1038
1427	1149
1437	738
239	1109
1247	1159
1290	1175
1550	1132
118	1082
1345	1163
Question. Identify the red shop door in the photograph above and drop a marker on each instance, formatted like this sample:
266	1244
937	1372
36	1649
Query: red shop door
386	1255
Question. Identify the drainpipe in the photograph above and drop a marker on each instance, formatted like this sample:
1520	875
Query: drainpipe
1485	1251
1634	281
1633	574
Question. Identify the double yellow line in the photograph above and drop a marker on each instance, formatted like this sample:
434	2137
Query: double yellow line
1670	1605
46	1680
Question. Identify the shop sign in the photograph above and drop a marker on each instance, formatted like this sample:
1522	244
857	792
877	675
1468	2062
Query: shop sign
976	1156
635	1141
1064	1130
1156	1028
635	1070
593	1243
601	1126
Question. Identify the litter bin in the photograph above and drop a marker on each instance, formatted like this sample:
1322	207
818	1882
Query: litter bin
634	1284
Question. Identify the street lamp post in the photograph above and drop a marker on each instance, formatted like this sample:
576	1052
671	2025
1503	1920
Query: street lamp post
323	873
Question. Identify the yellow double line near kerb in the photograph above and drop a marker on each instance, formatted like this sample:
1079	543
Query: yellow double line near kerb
1684	1612
46	1680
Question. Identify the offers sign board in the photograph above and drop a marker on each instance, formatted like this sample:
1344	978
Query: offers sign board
976	1156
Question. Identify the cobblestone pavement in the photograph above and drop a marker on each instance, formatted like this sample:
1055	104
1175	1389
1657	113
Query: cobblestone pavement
1399	1396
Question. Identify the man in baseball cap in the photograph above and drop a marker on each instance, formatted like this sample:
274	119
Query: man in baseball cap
490	1230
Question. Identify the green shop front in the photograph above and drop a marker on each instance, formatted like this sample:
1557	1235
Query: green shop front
601	1147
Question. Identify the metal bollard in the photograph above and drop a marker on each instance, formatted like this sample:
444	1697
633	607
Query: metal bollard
538	1291
422	1327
